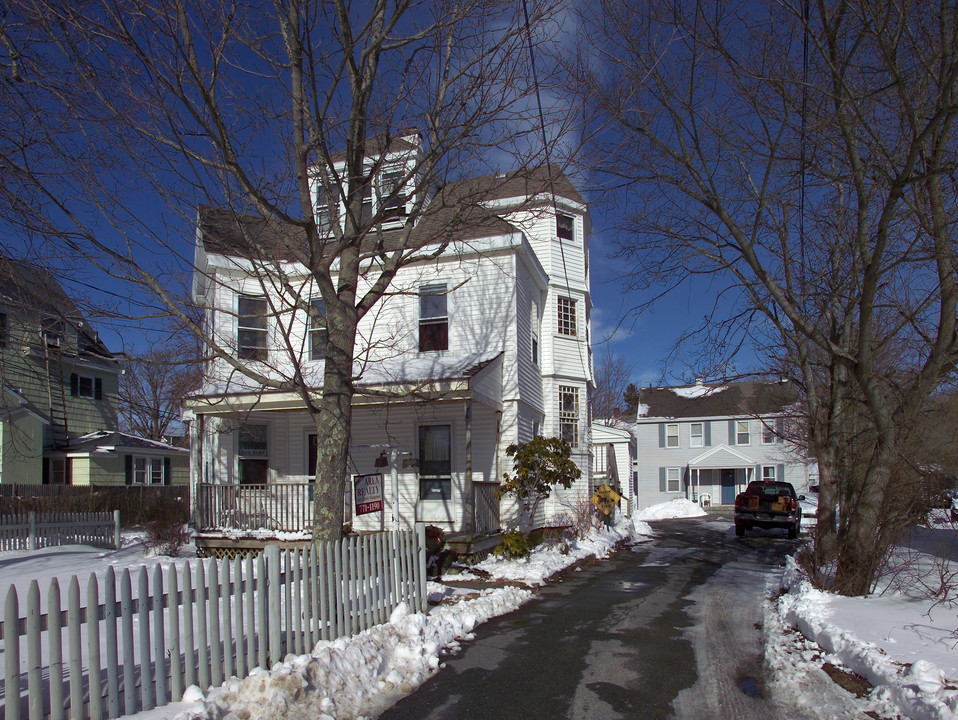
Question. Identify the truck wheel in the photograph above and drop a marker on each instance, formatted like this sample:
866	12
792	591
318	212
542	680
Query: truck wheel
739	529
793	532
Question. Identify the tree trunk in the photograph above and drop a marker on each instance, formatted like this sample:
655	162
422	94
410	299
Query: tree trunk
334	424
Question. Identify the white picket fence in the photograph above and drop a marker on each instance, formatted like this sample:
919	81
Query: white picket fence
30	531
139	640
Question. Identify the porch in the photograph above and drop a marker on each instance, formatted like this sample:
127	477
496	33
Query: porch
234	519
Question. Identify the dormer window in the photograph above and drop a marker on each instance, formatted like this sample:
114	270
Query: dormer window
52	332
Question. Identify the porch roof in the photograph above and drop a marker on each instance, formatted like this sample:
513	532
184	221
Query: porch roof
407	378
721	456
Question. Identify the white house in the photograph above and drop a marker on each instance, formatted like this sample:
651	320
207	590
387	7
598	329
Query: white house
482	346
707	442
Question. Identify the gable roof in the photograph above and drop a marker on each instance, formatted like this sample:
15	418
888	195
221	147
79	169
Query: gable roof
114	440
28	288
743	399
455	213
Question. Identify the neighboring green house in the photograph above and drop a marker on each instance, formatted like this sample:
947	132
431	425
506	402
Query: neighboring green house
60	387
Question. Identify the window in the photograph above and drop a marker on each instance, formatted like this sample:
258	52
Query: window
565	227
390	193
435	462
366	214
768	473
323	212
3	330
696	435
86	387
53	330
672	435
147	471
672	477
536	429
251	333
569	414
253	452
317	329
566	318
433	320
535	334
741	432
772	433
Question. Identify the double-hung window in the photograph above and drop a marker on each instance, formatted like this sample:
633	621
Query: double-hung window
566	320
569	414
86	387
672	477
317	329
696	435
147	471
435	462
742	436
768	473
772	431
390	193
323	212
251	328
253	454
433	319
565	227
672	435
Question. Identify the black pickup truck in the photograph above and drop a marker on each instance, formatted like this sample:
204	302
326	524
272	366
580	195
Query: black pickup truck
768	504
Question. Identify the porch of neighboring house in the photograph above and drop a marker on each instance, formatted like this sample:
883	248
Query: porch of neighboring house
715	477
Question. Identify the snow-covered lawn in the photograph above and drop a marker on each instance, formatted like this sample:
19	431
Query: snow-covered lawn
898	642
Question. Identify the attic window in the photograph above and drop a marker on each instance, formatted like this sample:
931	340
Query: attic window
391	196
53	332
86	387
565	227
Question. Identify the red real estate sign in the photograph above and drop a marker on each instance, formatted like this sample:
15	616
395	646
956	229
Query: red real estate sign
369	493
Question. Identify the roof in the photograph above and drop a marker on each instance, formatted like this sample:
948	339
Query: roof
455	213
30	288
112	440
744	399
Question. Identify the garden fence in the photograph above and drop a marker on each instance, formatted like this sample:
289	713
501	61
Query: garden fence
31	531
140	639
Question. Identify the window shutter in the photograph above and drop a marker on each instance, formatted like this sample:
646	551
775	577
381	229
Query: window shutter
661	435
731	432
128	462
707	430
780	473
97	388
74	385
663	483
167	467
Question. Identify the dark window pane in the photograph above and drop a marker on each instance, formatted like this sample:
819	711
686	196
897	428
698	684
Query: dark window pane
435	489
317	329
565	227
253	471
433	337
252	312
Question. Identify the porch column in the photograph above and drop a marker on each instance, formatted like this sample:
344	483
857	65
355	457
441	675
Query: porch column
196	426
468	503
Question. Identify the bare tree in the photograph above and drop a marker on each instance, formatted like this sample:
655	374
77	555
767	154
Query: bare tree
611	380
270	112
153	388
802	154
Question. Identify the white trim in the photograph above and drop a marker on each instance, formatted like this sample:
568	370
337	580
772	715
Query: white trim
702	460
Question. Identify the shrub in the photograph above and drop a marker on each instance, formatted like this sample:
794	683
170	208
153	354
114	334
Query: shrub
514	545
166	533
539	466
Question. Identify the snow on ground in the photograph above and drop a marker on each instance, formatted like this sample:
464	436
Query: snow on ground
678	508
894	638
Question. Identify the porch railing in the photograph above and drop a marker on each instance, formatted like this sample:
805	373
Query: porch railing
280	507
486	506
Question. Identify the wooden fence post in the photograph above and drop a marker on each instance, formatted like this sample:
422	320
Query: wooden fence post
117	542
274	571
32	532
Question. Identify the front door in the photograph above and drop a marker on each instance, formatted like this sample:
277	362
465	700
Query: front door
728	487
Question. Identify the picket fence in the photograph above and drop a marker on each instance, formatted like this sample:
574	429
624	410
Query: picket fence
31	531
213	620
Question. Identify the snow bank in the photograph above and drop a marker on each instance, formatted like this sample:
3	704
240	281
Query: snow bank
356	676
547	560
697	391
678	508
920	689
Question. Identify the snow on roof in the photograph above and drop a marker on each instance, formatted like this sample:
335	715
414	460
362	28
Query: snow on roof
698	390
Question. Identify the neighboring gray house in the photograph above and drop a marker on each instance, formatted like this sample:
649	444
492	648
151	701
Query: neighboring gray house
707	442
